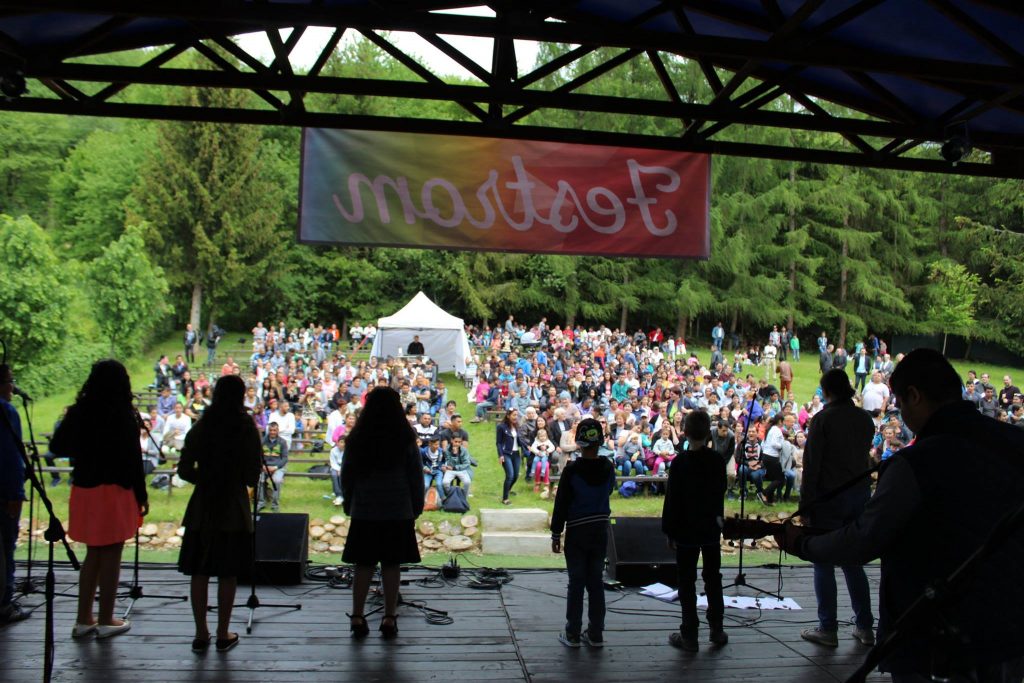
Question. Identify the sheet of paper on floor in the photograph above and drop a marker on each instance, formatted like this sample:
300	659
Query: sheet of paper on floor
660	591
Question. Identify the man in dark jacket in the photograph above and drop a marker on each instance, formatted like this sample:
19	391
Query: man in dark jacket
929	513
838	449
582	509
692	521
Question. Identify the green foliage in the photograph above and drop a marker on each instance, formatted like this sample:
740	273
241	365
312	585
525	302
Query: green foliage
35	296
128	292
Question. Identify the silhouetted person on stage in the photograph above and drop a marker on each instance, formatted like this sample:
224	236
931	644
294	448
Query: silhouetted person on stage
221	457
936	502
382	483
12	495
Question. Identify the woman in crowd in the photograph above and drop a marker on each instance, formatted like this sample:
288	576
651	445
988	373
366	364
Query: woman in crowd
311	407
507	442
108	496
382	488
221	457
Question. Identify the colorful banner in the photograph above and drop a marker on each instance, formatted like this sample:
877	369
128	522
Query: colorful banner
439	191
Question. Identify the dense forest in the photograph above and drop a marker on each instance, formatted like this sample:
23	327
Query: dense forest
116	230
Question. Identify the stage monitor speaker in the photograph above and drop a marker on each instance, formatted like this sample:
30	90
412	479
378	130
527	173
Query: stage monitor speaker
638	554
282	549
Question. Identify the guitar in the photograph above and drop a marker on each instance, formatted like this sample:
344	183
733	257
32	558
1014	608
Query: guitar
736	529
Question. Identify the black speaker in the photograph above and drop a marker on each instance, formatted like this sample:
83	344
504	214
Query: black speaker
638	554
282	549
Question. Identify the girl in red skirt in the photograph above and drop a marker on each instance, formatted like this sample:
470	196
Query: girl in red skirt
100	434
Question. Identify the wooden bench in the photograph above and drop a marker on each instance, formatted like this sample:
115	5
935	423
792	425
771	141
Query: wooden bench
641	479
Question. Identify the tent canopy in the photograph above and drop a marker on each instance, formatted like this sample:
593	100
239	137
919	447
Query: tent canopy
442	334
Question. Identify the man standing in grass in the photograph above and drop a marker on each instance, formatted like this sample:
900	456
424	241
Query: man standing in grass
582	509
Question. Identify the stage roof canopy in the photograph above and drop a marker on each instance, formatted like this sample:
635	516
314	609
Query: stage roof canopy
910	74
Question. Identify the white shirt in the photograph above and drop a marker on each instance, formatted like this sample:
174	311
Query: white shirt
181	424
875	396
285	425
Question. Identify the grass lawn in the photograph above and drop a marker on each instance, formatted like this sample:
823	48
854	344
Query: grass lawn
311	495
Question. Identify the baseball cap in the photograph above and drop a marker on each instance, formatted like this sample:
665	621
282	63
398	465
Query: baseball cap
589	433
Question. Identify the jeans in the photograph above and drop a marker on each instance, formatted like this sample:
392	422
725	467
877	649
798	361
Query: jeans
796	354
834	514
639	467
9	538
860	379
436	477
585	548
336	483
511	466
277	477
686	562
755	477
481	409
527	459
190	353
211	354
463	476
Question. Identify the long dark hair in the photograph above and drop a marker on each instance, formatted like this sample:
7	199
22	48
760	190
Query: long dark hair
228	404
108	388
382	436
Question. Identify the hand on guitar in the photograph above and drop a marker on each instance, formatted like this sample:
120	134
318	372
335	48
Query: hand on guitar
788	536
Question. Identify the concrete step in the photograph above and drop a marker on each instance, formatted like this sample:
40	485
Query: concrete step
516	542
514	519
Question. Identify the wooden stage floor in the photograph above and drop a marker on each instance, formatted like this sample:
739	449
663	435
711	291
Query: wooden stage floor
498	636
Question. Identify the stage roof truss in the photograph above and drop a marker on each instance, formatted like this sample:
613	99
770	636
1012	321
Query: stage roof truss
803	65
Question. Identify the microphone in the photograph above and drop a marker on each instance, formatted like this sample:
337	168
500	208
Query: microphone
18	391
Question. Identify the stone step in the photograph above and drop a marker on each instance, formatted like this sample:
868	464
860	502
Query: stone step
516	543
514	519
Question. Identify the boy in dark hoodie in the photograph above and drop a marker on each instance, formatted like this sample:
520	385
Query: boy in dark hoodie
692	521
582	509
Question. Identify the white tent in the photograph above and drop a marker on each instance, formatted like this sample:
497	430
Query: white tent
443	335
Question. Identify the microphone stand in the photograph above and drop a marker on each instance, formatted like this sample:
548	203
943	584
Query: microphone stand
54	533
253	603
135	590
741	577
27	585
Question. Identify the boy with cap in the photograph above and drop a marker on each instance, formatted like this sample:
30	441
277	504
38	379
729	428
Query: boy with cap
582	509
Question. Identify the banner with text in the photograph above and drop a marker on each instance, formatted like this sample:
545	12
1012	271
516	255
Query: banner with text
439	191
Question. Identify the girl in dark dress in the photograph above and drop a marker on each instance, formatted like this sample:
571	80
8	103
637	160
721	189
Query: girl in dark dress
382	483
221	457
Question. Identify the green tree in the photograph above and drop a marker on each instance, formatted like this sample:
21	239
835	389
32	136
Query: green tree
213	200
35	297
128	292
952	295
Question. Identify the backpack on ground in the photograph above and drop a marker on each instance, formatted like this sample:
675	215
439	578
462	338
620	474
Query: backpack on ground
456	500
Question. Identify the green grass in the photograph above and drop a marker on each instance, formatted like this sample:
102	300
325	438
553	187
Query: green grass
307	495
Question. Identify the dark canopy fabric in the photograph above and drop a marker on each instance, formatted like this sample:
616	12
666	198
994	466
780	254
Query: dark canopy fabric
929	64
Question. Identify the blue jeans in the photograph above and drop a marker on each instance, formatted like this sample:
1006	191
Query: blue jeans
9	538
834	514
585	548
437	477
511	467
336	483
860	379
755	477
481	409
796	354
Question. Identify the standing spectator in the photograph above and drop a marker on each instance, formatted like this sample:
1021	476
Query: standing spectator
861	369
769	356
212	340
221	457
822	342
12	494
875	396
1007	393
691	518
191	338
825	359
507	442
383	491
786	379
582	509
717	336
108	494
840	358
794	346
838	447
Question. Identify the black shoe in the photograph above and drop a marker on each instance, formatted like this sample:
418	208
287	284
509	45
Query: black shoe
685	644
718	637
358	626
389	630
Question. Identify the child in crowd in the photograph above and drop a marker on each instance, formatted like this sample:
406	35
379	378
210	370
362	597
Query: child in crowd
542	448
664	451
336	456
692	520
582	509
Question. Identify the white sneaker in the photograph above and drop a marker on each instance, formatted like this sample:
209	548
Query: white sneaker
337	501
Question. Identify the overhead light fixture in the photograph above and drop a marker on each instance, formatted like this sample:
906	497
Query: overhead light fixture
957	144
12	83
